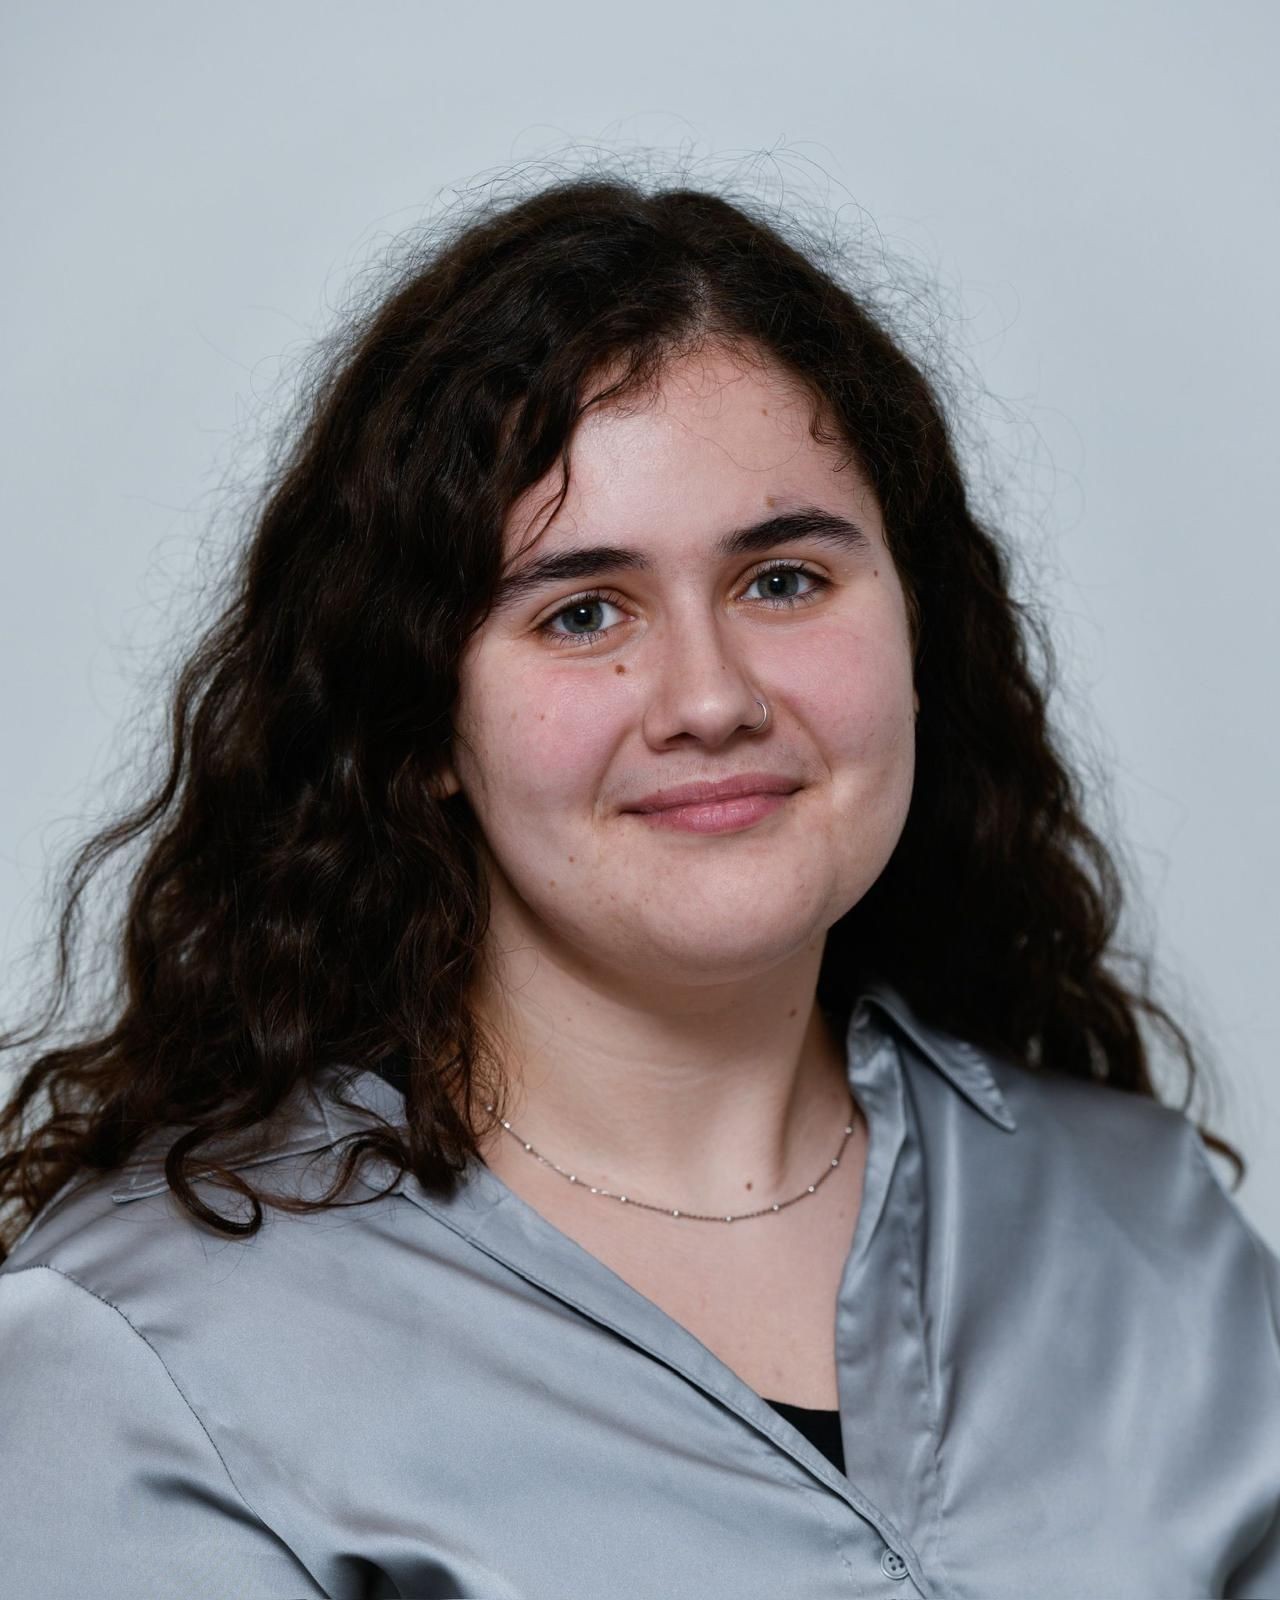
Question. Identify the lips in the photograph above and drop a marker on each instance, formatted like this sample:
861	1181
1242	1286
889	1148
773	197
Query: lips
709	790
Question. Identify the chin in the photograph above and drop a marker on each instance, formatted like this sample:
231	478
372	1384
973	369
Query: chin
694	953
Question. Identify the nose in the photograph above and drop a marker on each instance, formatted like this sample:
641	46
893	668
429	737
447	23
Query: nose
703	690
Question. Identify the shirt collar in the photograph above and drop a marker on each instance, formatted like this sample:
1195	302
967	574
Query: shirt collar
962	1065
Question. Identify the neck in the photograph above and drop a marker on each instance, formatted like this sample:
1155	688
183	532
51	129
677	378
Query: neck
717	1099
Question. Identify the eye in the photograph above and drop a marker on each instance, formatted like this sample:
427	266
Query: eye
787	569
593	599
573	609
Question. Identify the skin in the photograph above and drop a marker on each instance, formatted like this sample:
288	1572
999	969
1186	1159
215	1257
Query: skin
653	988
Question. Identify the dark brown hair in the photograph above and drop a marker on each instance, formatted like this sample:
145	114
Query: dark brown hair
305	897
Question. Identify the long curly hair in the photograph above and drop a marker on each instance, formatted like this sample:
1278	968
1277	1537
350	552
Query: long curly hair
305	894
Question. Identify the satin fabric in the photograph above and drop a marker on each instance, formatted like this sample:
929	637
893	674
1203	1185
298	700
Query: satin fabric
1058	1348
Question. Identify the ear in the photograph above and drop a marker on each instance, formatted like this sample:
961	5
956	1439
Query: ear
444	782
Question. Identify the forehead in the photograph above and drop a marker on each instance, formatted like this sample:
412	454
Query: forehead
717	439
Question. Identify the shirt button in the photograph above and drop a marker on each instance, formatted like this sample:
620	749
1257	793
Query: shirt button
892	1564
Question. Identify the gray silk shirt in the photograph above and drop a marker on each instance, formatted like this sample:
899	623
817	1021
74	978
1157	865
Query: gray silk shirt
1058	1357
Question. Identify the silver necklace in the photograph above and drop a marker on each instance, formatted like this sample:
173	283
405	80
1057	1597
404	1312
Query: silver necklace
670	1211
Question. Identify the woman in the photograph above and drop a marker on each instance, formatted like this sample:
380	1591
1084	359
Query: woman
620	1084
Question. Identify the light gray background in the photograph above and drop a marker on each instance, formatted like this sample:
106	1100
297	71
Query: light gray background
190	191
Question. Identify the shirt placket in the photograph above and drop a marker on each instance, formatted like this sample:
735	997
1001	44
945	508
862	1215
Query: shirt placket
887	1400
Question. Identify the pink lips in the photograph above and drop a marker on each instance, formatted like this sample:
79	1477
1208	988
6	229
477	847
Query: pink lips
716	806
715	816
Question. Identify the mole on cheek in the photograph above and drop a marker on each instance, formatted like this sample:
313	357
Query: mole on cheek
619	668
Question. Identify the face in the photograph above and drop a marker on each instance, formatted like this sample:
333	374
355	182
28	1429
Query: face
581	697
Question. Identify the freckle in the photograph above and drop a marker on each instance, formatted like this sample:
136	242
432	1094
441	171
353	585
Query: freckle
619	668
750	1185
551	883
792	1012
571	859
875	572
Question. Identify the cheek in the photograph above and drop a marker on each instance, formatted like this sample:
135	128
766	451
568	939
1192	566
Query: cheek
540	750
852	690
855	700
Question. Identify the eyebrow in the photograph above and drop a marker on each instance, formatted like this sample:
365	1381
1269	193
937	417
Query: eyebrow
594	561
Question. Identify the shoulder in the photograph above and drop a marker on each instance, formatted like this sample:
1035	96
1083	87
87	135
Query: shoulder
1129	1179
1128	1150
1117	1189
1135	1149
116	1304
152	1365
124	1237
110	1460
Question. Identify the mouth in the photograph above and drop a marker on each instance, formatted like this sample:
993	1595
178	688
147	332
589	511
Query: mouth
730	814
706	790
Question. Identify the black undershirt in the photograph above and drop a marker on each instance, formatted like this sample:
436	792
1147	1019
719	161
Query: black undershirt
820	1428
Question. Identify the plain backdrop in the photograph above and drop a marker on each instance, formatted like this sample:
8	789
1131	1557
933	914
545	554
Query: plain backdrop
1088	193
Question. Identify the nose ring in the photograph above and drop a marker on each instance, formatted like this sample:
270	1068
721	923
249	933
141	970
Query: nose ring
763	719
